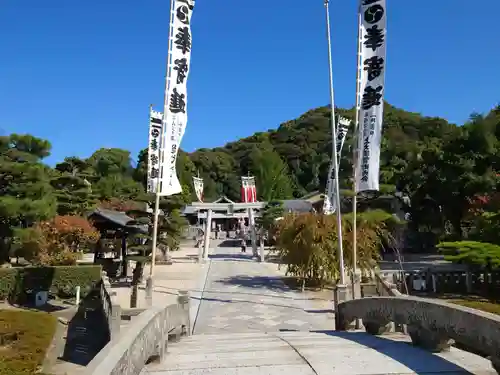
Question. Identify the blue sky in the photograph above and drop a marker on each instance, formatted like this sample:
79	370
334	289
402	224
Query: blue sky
83	73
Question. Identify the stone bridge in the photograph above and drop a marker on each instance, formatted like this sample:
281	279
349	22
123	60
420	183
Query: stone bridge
246	320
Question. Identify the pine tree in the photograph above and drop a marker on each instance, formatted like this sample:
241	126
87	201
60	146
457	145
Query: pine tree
26	195
73	188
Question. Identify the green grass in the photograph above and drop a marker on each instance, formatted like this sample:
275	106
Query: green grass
24	339
486	306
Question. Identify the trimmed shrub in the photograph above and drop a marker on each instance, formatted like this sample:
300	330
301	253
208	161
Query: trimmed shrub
24	339
307	244
66	279
19	284
478	255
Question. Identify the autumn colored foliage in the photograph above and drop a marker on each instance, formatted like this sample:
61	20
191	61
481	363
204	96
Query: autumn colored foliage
58	241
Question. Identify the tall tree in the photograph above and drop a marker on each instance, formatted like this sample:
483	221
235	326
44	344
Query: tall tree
184	166
73	189
26	195
111	161
271	174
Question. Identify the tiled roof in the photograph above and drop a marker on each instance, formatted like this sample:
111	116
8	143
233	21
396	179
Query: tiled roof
119	218
297	205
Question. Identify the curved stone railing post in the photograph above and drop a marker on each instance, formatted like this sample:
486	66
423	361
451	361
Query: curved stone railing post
111	307
431	324
146	338
183	301
385	288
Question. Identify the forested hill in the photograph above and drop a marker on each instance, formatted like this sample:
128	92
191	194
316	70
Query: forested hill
304	145
443	167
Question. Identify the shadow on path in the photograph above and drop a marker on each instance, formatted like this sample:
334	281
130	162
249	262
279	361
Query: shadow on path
234	257
325	311
273	283
230	243
174	291
208	299
418	360
87	332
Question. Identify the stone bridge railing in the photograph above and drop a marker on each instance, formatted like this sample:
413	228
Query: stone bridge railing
145	339
385	288
110	307
431	324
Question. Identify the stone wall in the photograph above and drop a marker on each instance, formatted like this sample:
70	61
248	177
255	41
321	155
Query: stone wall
459	281
431	324
145	339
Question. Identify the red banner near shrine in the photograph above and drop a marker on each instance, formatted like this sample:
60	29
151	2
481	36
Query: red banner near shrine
248	190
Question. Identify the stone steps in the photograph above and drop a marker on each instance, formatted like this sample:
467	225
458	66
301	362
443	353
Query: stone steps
308	353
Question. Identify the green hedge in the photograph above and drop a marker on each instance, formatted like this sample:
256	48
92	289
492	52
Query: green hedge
18	283
476	254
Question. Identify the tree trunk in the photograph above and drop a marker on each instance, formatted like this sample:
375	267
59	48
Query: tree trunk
137	275
136	280
124	257
133	296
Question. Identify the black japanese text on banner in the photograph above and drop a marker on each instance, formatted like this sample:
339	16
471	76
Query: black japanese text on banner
329	202
373	50
175	118
155	122
198	188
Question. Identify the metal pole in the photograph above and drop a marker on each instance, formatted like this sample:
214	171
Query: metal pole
155	230
251	226
208	232
149	281
355	158
334	147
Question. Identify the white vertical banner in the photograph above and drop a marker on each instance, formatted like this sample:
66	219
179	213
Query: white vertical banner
253	190
372	40
198	188
244	189
175	119
329	205
155	124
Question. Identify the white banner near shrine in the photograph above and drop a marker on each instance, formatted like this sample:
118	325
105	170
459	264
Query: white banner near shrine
330	202
175	119
155	123
248	190
373	34
198	188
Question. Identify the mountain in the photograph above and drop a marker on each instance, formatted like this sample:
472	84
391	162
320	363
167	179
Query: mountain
305	144
450	173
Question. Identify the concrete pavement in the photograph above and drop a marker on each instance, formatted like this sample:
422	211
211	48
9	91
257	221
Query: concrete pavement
249	322
242	295
185	273
310	353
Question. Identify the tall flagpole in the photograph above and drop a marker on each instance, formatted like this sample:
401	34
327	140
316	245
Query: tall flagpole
334	148
149	281
155	216
355	157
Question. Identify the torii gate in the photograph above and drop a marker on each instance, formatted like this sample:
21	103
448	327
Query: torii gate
230	208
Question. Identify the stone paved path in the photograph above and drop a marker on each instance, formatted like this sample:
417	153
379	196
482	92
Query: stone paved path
242	295
243	327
